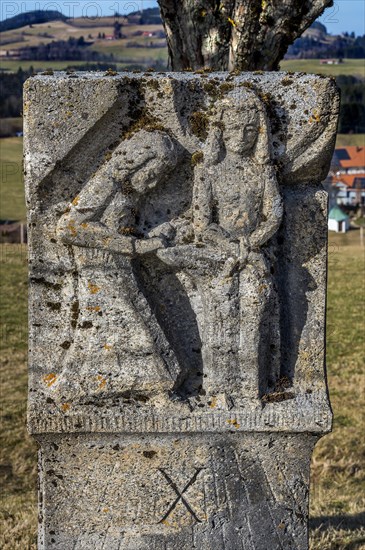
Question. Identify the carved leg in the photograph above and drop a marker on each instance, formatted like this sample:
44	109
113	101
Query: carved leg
255	329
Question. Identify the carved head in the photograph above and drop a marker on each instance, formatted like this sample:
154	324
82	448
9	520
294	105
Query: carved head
243	127
144	160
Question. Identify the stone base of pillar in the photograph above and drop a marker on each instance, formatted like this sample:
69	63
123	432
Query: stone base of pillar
175	492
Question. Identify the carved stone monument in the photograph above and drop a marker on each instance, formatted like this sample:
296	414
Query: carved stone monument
177	305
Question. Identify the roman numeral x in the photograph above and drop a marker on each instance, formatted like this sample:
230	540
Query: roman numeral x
180	494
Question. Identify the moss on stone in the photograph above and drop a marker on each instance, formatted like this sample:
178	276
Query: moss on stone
199	125
225	88
145	122
197	158
153	84
287	82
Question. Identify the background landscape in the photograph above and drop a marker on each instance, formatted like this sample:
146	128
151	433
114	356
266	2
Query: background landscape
48	41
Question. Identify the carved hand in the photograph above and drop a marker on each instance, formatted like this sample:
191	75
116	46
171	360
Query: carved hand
148	245
165	230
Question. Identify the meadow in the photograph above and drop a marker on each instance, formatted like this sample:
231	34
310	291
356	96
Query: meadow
353	67
12	205
338	483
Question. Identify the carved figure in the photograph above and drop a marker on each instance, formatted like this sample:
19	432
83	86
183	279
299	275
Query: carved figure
237	208
116	334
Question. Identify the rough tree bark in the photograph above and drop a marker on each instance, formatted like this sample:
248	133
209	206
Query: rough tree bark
235	34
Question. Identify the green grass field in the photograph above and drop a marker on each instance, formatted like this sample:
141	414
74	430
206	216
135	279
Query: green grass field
355	67
12	203
338	486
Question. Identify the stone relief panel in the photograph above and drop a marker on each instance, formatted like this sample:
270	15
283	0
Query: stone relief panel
177	252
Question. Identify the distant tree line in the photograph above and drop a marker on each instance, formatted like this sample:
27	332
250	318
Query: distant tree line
343	47
74	49
35	17
352	114
150	16
11	98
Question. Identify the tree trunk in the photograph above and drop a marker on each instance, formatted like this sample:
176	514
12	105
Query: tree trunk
234	34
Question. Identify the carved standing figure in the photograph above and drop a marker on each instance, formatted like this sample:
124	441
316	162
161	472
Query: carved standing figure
118	347
237	208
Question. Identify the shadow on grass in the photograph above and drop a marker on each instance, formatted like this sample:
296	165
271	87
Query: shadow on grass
341	532
345	522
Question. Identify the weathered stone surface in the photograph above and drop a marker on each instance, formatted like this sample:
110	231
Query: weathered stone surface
178	271
182	492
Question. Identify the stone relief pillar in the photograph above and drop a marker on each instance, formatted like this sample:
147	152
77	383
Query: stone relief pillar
177	305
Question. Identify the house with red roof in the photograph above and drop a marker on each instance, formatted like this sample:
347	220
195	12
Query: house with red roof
347	176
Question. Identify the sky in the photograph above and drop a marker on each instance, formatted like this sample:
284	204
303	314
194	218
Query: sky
344	16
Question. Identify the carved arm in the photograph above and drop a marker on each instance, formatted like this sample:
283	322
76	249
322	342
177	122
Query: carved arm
78	225
272	210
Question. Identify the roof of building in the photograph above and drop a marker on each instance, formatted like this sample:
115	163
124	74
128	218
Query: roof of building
355	181
336	213
350	156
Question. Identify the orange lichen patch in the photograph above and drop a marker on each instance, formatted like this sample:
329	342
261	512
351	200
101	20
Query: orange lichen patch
277	397
105	510
165	522
93	308
76	201
127	230
213	403
94	289
49	379
71	227
102	382
65	407
107	347
315	117
84	225
234	423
